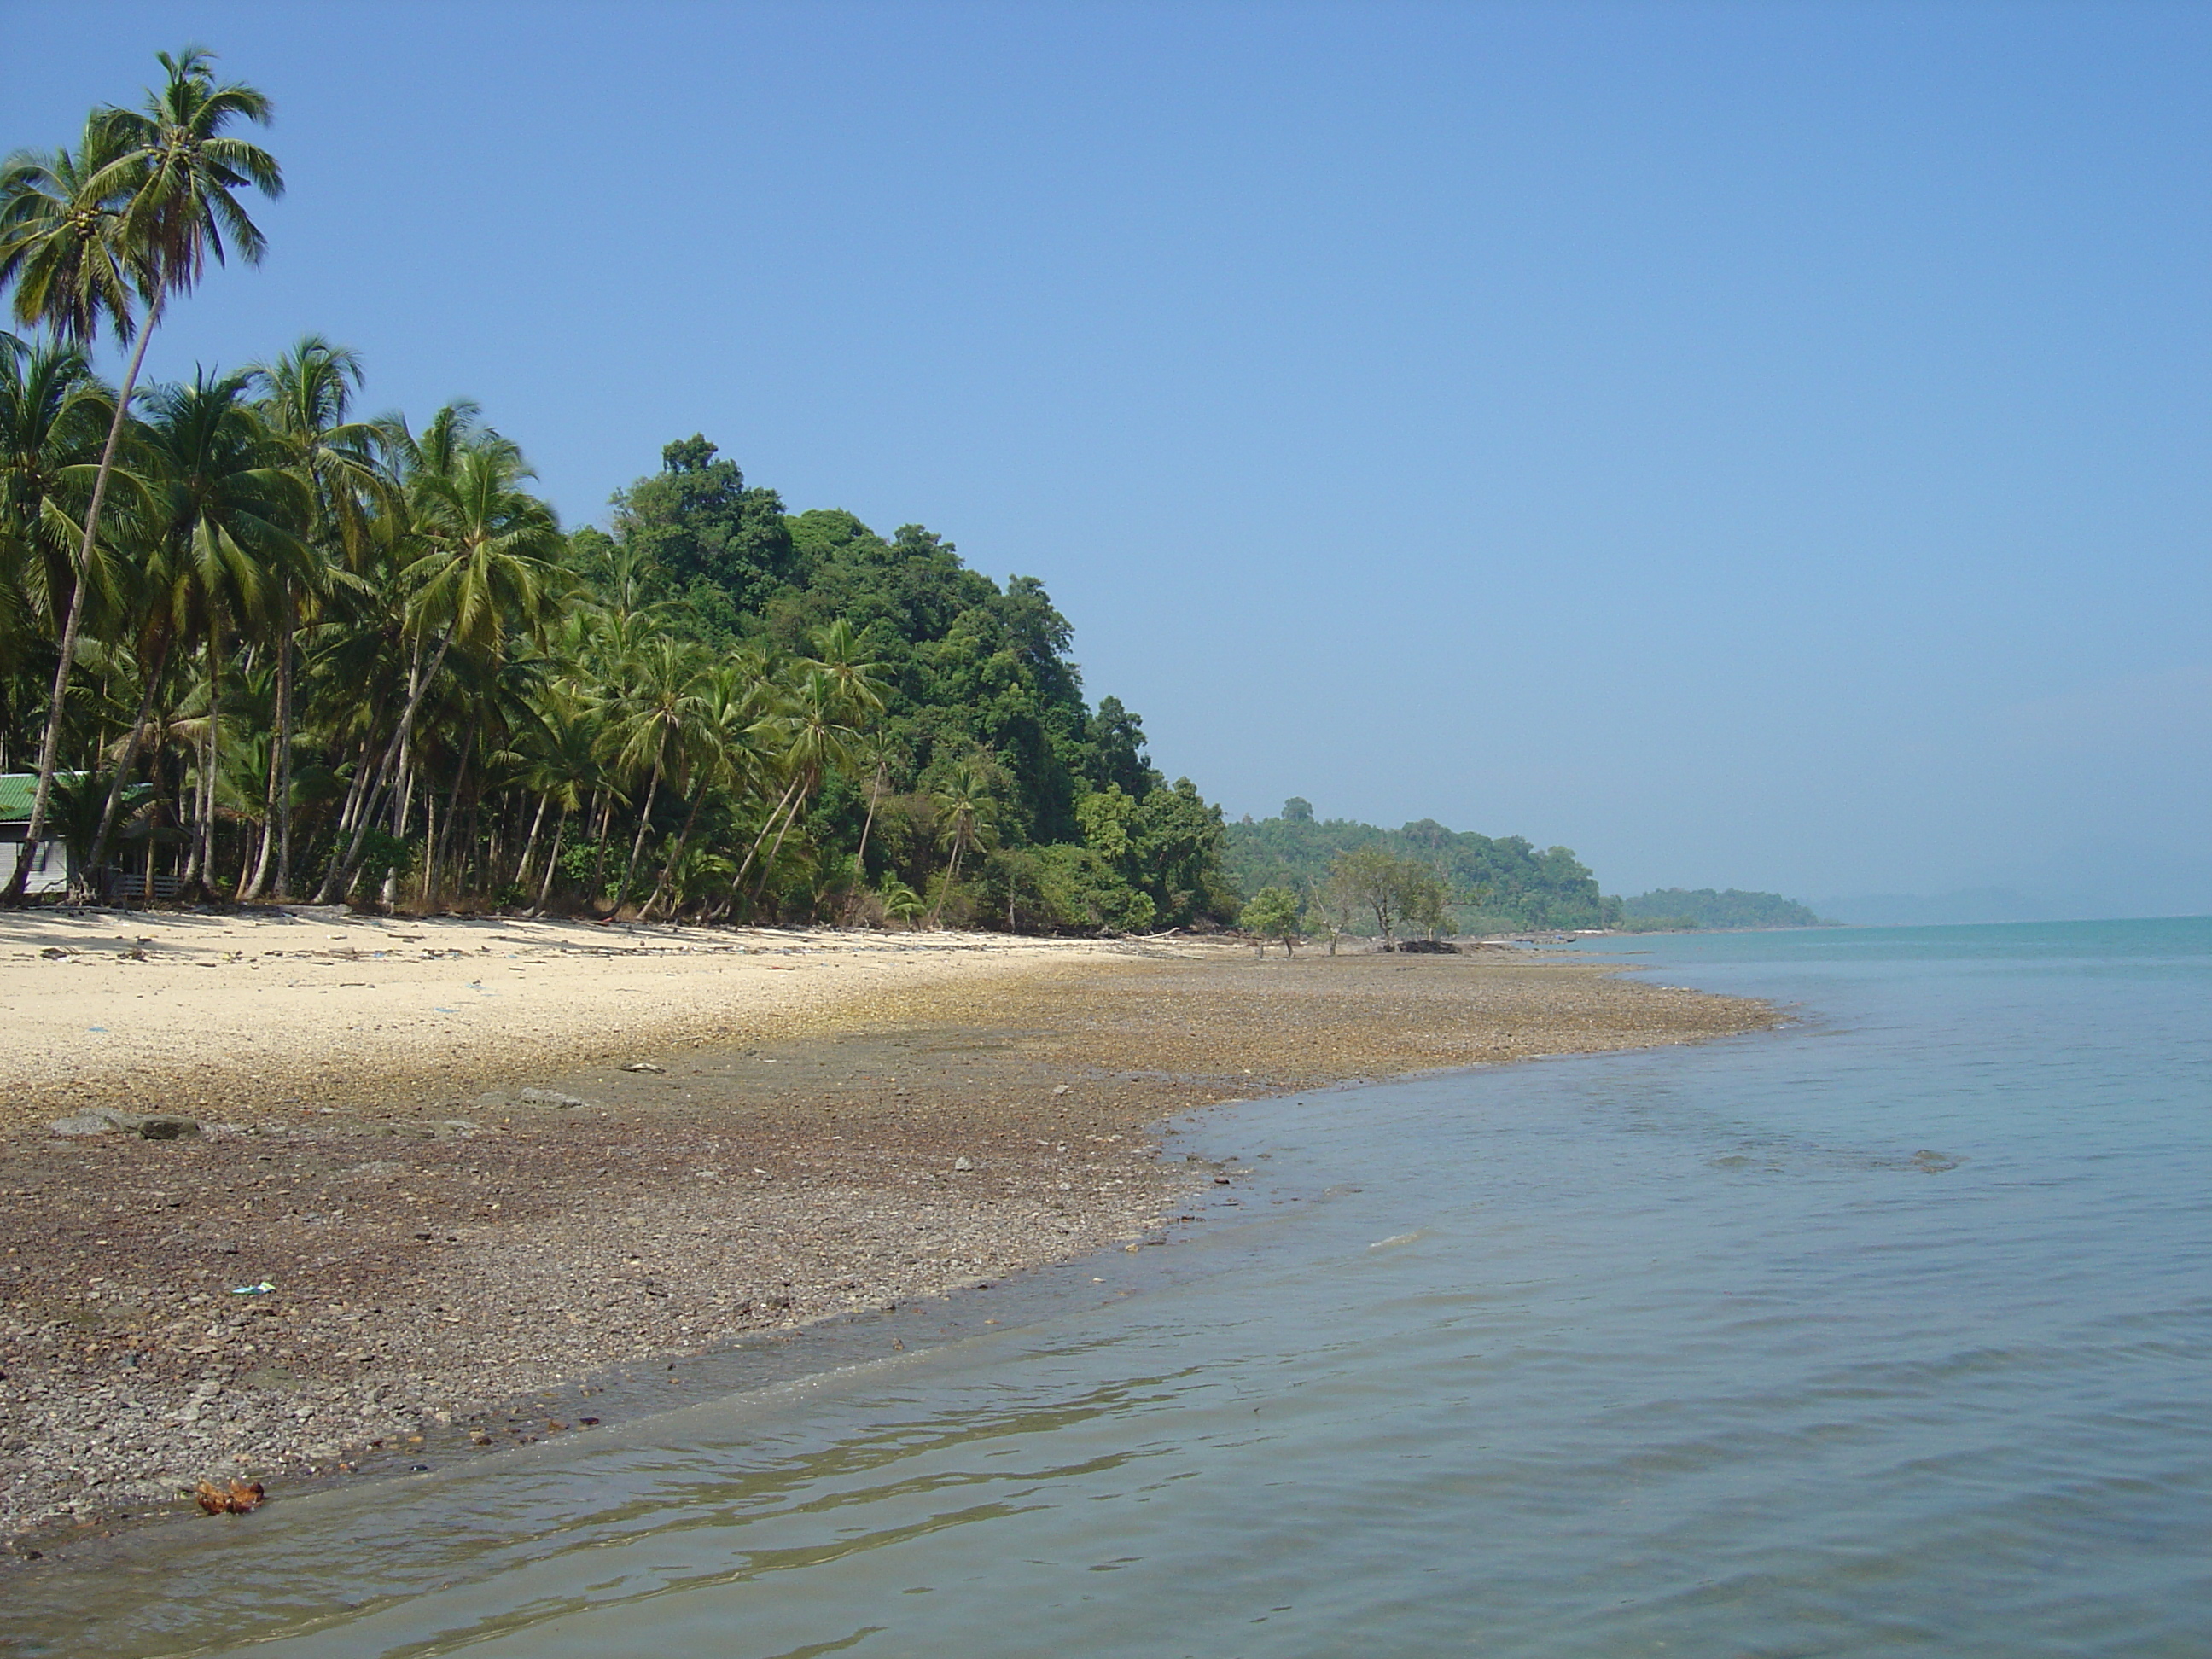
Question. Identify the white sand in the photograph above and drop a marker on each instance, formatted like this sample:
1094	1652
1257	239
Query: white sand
197	1013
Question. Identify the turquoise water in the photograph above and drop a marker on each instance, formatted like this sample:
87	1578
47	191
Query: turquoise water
1886	1334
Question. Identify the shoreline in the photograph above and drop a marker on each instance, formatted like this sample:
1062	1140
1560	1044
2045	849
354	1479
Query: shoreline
823	1124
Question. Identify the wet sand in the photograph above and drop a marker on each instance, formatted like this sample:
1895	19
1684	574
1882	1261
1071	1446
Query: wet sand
831	1124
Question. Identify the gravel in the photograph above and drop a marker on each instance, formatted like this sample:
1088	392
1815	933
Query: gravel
377	1265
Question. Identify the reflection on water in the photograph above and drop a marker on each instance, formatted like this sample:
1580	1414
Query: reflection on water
1885	1333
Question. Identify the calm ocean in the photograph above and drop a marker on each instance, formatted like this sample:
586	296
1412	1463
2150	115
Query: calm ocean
1890	1333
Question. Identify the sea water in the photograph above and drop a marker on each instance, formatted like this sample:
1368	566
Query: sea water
1888	1333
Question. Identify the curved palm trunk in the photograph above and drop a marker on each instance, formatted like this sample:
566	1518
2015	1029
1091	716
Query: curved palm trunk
789	819
530	846
951	875
57	709
663	888
252	878
203	857
599	862
738	882
284	825
552	862
275	804
637	843
343	868
121	779
875	794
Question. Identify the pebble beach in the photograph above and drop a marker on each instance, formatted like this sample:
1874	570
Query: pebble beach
427	1170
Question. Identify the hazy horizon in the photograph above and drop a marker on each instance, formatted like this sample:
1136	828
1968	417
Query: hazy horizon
1754	446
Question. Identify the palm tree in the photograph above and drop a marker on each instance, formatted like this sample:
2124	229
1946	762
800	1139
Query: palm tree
486	566
238	526
658	719
737	722
65	243
307	394
815	723
561	768
52	415
966	803
133	215
837	652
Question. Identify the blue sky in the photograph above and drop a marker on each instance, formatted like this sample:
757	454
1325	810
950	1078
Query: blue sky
1758	445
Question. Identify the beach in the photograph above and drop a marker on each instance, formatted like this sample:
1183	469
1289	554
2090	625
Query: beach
441	1164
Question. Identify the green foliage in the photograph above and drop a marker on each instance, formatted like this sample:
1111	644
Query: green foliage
1396	892
1274	913
384	855
983	750
1087	894
724	546
342	652
1670	909
1506	881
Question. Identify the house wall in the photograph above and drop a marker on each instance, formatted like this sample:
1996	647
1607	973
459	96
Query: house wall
49	866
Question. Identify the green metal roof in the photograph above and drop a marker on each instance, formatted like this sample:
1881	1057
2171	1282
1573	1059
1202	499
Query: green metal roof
17	790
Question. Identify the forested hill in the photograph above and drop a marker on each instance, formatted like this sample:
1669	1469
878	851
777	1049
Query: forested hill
264	648
1677	907
1495	883
1076	826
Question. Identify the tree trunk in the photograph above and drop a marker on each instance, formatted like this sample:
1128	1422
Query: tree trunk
789	819
253	868
875	794
552	861
738	882
683	839
637	842
246	857
342	868
599	863
214	761
951	875
58	709
529	846
121	779
357	786
249	887
283	825
429	845
452	805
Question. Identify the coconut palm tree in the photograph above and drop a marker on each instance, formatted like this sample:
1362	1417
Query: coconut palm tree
657	718
838	649
238	527
560	763
66	244
486	566
51	416
307	395
966	803
823	722
131	218
738	723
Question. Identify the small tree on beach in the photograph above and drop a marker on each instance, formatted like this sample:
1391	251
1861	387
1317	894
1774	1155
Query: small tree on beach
1393	890
1274	913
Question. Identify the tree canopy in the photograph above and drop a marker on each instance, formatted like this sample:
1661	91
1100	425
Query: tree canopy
1488	883
1681	909
263	647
